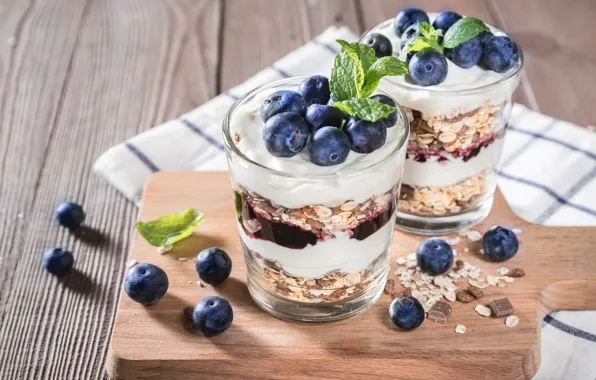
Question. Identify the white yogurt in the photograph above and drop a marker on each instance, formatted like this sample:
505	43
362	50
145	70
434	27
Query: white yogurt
313	261
454	170
346	181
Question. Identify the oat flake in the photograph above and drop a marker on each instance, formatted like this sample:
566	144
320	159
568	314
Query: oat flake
511	321
460	329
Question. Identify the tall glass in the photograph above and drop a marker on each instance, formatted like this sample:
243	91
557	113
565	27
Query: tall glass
455	142
316	247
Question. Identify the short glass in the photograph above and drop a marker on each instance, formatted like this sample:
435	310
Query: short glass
316	247
455	142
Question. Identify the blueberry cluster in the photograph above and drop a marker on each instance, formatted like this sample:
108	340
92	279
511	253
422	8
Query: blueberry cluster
429	66
305	119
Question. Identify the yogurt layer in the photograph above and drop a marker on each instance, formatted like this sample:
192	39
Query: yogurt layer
439	99
453	170
359	178
341	253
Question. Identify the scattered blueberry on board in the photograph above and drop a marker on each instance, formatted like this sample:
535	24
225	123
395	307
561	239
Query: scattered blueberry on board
365	136
500	54
406	312
380	44
390	120
282	101
406	17
499	244
213	315
70	215
445	20
57	261
467	54
213	266
434	256
285	134
318	116
146	283
315	90
328	146
428	68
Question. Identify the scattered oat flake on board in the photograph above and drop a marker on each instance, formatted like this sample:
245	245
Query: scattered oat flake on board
472	235
182	258
466	250
516	231
200	284
453	241
400	261
511	321
411	256
131	263
477	284
460	329
483	310
502	271
492	280
191	282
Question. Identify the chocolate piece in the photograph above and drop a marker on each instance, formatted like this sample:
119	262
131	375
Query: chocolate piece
501	307
443	307
475	292
464	296
516	272
390	287
188	312
437	316
459	264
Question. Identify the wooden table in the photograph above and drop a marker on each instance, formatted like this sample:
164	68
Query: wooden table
78	76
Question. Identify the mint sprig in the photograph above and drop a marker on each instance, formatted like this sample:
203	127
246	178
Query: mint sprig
169	229
355	76
429	39
463	31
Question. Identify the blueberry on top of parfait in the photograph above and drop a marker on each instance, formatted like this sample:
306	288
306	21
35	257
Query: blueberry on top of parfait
380	44
406	17
391	120
328	146
282	101
445	20
365	136
315	90
500	53
467	54
285	134
319	116
428	67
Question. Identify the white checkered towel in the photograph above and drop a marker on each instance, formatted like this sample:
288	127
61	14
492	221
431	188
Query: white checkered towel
546	173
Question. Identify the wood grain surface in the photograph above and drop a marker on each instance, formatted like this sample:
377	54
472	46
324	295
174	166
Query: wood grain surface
78	76
365	346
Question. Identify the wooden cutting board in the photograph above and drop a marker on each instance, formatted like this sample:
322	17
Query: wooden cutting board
152	342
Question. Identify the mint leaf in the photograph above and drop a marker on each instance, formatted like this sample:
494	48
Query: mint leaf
428	40
365	109
365	54
169	229
347	76
385	66
463	31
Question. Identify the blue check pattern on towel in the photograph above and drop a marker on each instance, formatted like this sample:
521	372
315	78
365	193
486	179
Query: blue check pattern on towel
547	175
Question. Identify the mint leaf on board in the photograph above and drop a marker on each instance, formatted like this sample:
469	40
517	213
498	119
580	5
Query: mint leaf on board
463	31
428	40
365	109
169	229
365	54
385	66
347	76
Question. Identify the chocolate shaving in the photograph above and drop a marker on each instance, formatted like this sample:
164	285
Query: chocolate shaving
501	307
475	292
517	273
464	296
390	287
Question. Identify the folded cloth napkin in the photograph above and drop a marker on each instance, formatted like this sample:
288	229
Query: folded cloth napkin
547	175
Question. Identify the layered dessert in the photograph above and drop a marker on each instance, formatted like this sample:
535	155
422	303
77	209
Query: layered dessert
315	190
457	96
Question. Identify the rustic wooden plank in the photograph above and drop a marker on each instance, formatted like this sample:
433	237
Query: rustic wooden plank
283	25
130	70
556	38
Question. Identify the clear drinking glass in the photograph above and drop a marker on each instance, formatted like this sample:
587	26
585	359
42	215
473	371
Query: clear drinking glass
455	142
316	247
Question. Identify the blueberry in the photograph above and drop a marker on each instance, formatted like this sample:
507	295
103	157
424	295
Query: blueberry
318	116
285	134
380	44
365	136
213	315
500	54
315	90
434	256
467	54
406	312
407	17
388	121
428	67
213	265
445	20
485	36
408	35
70	215
57	261
282	101
328	146
500	244
146	283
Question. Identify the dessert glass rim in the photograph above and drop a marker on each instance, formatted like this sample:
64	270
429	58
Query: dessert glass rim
231	146
511	74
